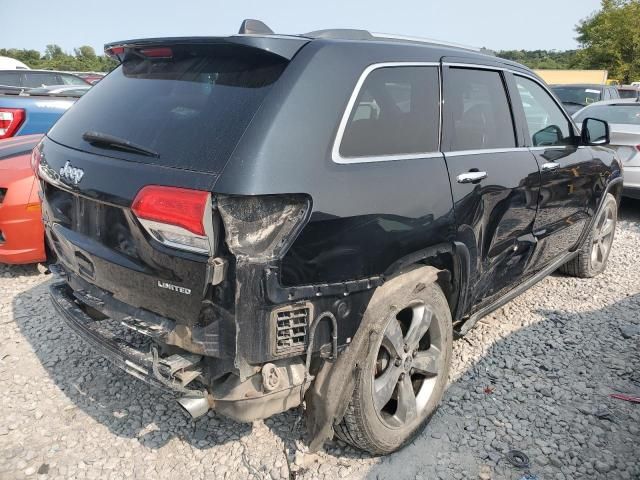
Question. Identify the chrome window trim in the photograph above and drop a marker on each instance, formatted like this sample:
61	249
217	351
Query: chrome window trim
530	77
476	66
335	151
458	153
557	147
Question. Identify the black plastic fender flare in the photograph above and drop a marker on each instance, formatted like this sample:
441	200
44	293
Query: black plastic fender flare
329	396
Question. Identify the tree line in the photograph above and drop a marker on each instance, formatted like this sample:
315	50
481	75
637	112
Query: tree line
609	39
83	59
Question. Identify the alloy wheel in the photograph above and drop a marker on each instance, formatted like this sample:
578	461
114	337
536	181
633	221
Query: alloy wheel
603	236
407	366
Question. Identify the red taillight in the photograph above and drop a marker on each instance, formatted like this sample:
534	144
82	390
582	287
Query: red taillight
159	52
174	206
10	121
638	147
114	51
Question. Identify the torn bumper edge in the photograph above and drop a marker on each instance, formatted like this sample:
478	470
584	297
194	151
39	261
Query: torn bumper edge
134	362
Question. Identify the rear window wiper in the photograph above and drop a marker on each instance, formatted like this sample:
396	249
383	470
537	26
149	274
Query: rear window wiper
109	141
574	103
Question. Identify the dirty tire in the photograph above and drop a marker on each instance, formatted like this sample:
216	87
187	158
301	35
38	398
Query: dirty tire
588	264
363	425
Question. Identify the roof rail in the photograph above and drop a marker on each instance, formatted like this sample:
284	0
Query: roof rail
250	26
408	38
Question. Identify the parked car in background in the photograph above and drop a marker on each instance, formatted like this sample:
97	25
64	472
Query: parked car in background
629	91
91	77
8	63
23	113
21	229
277	234
38	78
75	91
623	117
574	97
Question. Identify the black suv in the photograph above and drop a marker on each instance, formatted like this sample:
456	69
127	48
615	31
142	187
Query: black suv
257	222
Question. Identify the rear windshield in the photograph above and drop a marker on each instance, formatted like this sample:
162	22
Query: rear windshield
191	108
621	114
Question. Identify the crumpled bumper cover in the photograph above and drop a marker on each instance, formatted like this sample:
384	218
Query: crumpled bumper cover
123	355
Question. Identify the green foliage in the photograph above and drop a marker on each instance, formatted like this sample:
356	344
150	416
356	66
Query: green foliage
84	59
610	39
547	59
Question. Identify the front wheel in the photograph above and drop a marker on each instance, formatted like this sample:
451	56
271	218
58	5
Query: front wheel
403	377
594	253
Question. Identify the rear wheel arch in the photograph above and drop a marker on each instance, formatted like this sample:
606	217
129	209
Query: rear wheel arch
616	191
355	421
451	260
324	411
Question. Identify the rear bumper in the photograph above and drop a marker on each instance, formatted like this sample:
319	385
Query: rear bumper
23	235
631	182
242	401
132	360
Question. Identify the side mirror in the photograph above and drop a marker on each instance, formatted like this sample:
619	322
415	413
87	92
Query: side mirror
595	132
551	135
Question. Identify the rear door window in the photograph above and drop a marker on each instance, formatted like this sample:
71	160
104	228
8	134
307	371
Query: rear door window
477	110
396	113
39	79
190	106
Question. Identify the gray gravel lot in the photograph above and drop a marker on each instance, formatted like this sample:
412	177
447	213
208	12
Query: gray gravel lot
534	376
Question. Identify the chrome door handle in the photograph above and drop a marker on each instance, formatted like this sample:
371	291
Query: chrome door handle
471	177
549	167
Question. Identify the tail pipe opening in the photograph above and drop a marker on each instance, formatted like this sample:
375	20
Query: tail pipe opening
195	406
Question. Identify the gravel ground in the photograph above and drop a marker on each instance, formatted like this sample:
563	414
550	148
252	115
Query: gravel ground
534	376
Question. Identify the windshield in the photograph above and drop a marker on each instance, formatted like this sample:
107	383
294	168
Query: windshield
622	114
191	105
579	95
628	93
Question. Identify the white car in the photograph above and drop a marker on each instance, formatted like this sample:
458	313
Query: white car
7	63
623	116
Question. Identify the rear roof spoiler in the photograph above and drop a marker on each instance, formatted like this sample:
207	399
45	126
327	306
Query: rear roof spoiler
281	45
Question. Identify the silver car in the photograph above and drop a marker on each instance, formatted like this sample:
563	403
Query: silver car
623	116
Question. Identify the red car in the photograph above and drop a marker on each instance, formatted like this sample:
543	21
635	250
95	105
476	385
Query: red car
21	230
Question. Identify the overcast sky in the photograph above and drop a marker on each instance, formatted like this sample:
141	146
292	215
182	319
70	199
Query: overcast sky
495	24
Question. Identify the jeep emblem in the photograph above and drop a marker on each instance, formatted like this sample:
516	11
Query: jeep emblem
72	174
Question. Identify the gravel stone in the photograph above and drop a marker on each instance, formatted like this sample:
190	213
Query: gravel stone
534	376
